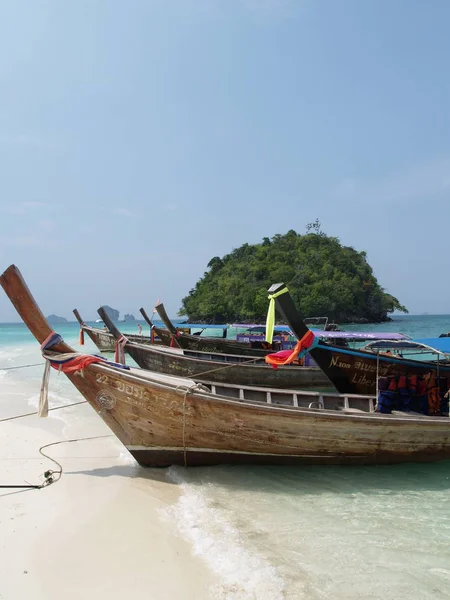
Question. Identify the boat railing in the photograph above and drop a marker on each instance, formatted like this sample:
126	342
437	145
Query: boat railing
319	400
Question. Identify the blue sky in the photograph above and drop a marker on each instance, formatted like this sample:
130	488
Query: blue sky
139	139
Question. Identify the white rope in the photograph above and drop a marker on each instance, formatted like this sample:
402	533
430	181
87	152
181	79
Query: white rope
21	367
43	396
31	414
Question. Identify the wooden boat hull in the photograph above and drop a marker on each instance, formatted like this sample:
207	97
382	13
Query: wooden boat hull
355	372
209	458
216	345
164	425
165	420
243	373
105	341
173	337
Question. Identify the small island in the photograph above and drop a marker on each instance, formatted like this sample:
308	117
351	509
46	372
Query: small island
55	320
325	279
129	318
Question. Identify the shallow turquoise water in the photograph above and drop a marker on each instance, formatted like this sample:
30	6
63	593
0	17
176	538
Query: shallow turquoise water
312	533
413	325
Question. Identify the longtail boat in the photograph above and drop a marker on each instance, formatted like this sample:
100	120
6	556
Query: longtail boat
165	420
102	338
207	344
355	371
218	367
157	334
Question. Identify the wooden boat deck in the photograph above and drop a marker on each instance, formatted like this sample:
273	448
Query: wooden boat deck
312	400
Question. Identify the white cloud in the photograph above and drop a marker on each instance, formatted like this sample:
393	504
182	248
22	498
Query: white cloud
23	141
423	181
346	188
46	225
23	208
32	204
33	232
123	212
170	207
32	241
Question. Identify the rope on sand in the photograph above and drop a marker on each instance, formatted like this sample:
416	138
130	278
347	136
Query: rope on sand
54	476
51	475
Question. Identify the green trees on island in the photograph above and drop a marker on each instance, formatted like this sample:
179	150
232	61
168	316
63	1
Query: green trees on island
324	279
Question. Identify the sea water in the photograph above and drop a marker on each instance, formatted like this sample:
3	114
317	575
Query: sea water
310	533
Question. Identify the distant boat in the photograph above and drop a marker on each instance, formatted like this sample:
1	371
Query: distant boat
181	337
213	366
104	341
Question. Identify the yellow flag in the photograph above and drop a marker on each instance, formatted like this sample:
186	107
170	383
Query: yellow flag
270	322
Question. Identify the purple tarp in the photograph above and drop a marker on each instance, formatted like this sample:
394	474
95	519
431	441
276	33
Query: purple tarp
343	335
360	335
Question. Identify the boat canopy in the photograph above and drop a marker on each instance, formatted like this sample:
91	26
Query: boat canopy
262	328
424	345
441	344
356	336
359	335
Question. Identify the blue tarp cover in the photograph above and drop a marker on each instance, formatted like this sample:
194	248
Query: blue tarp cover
441	344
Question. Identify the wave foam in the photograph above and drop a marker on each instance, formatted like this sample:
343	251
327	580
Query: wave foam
244	574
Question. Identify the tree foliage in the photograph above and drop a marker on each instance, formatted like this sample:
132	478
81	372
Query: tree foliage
324	279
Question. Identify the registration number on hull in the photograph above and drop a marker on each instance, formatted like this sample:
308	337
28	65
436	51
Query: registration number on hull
134	391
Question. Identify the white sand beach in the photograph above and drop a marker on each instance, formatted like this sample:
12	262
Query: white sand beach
99	532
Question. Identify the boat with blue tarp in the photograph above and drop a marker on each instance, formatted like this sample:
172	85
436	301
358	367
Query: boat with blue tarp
359	370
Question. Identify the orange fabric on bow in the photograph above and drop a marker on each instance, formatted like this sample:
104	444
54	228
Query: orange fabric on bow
77	364
286	357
